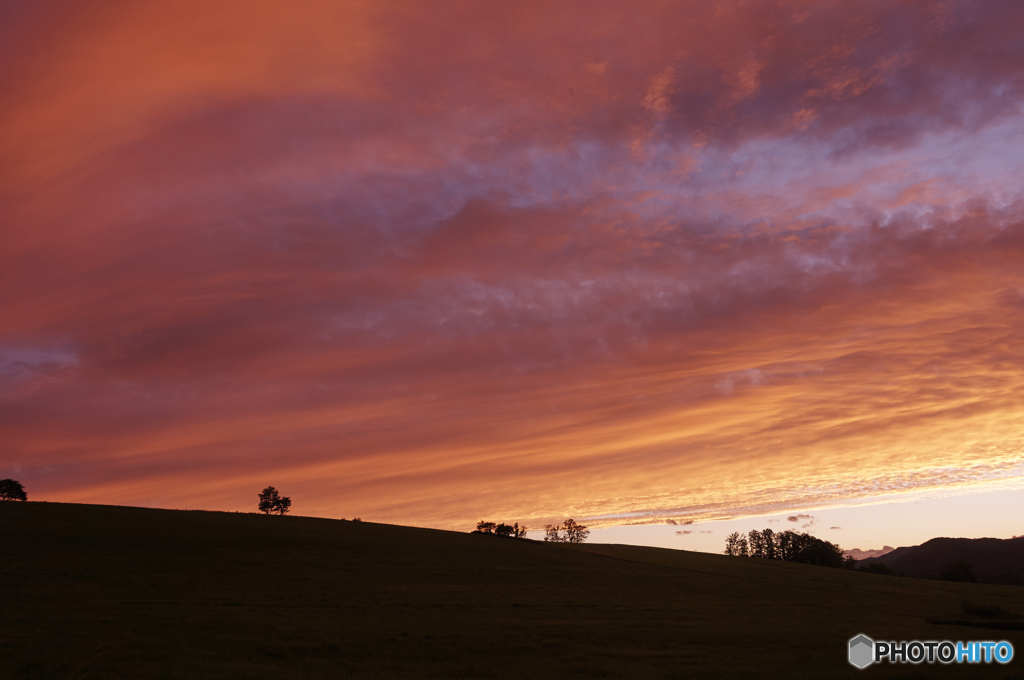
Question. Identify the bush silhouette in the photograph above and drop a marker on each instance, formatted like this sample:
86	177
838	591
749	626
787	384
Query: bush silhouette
272	502
12	490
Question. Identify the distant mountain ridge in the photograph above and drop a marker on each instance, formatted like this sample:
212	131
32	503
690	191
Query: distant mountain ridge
987	560
858	554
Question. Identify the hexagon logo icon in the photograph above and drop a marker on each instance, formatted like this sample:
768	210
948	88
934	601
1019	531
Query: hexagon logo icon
861	651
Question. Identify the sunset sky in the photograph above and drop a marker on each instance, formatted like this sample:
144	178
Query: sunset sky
431	263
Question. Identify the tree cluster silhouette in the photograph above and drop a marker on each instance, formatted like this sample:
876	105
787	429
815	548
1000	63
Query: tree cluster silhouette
271	502
12	490
500	529
566	532
786	545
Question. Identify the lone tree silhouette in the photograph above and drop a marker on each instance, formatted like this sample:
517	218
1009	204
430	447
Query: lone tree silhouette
12	490
566	532
272	502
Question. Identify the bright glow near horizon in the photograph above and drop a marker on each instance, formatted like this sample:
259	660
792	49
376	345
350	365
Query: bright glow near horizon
910	520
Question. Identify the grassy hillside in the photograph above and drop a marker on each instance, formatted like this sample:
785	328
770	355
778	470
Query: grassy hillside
97	592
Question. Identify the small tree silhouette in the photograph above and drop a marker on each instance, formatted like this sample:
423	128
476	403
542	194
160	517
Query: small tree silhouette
12	490
268	499
735	545
788	545
284	504
743	547
768	541
573	532
485	527
271	502
756	544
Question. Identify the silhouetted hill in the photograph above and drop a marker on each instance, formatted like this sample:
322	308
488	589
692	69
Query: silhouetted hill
987	560
108	592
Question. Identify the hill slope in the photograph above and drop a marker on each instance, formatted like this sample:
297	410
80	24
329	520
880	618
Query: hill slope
991	560
93	591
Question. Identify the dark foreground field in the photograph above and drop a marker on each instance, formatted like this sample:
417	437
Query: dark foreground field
104	592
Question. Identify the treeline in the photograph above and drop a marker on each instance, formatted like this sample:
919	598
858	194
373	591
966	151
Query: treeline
789	546
500	529
568	531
